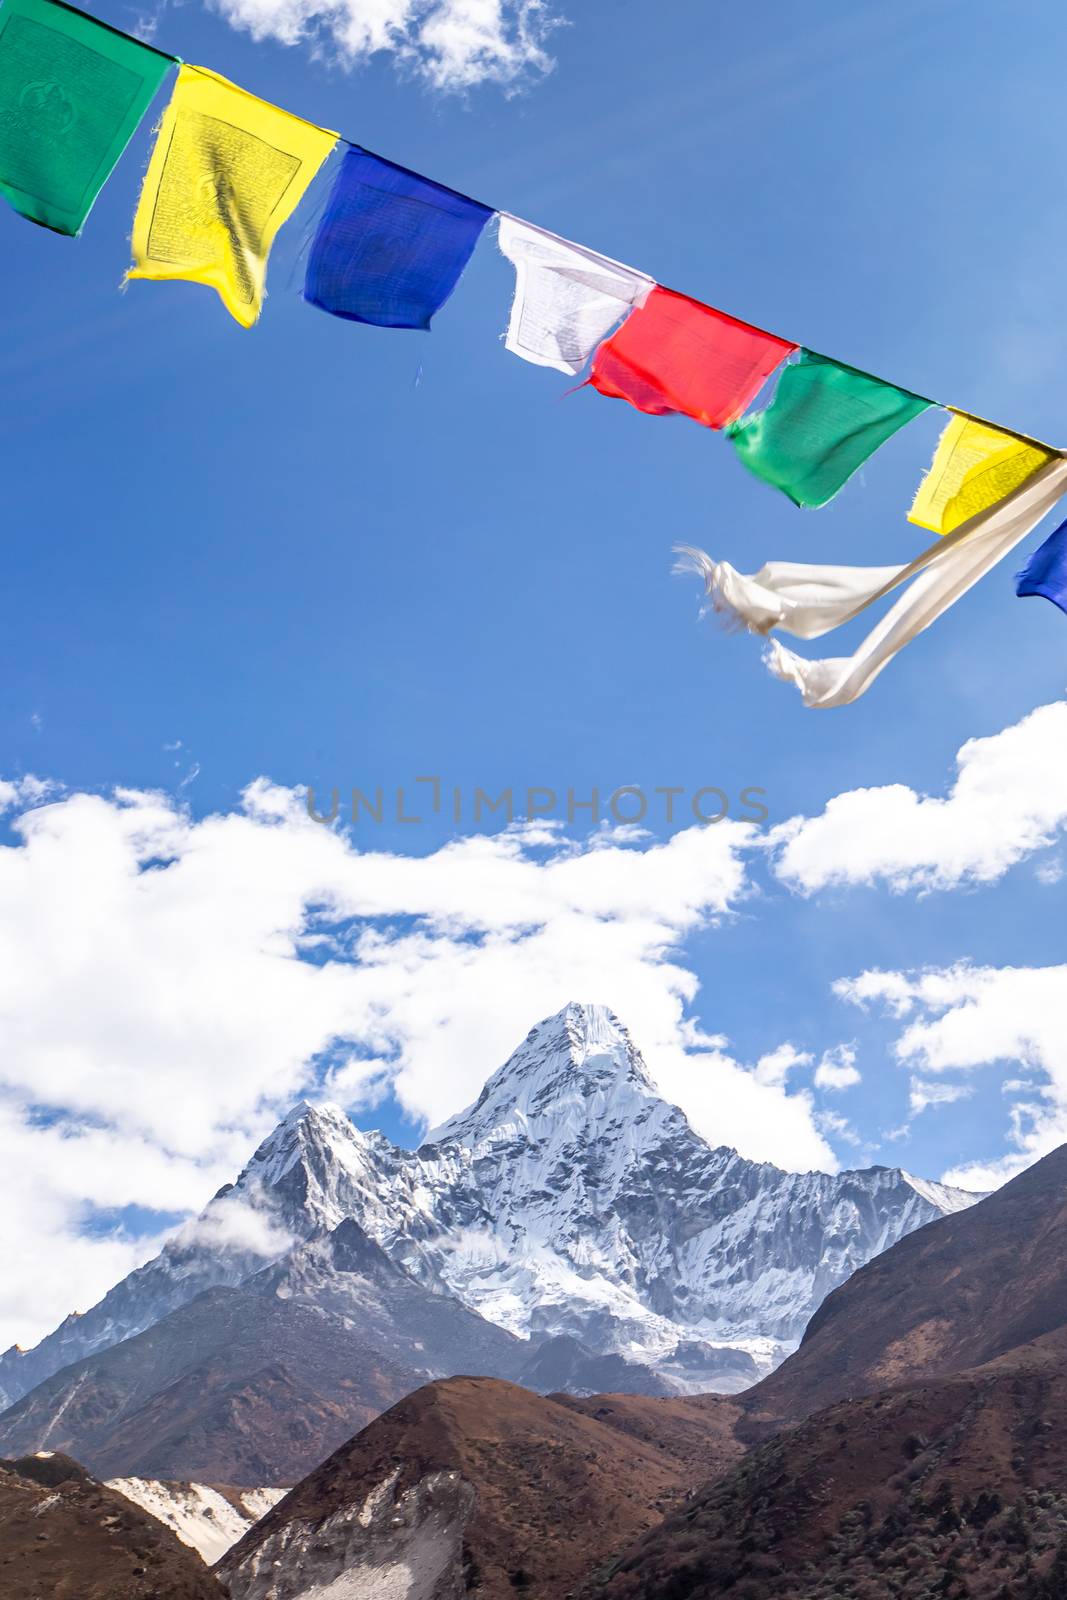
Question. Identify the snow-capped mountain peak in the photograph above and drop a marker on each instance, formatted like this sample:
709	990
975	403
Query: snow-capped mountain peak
317	1168
307	1135
573	1070
570	1198
310	1173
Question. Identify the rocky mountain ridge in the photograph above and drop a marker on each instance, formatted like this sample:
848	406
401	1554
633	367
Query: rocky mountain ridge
570	1199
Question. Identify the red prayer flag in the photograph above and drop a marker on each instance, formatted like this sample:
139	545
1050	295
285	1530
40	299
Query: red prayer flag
674	354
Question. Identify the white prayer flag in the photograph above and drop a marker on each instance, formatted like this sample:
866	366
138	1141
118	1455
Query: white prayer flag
803	600
807	601
567	298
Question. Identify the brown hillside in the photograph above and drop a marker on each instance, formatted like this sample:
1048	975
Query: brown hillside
63	1536
954	1489
915	1446
959	1292
532	1492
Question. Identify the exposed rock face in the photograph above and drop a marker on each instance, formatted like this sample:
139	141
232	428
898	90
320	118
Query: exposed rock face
405	1545
209	1520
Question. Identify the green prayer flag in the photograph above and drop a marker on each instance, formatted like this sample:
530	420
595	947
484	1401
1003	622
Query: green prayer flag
823	423
72	92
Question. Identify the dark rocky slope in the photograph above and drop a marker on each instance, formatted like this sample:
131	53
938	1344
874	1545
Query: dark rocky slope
63	1536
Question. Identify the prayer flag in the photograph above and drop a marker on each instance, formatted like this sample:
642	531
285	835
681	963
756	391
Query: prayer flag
226	172
808	601
824	421
1046	571
975	465
674	354
567	298
391	246
801	599
72	91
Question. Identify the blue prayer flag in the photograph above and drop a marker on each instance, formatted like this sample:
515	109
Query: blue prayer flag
1046	571
391	245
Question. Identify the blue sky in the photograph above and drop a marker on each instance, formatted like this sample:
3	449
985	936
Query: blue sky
329	554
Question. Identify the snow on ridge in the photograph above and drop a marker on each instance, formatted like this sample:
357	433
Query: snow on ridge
559	1059
947	1200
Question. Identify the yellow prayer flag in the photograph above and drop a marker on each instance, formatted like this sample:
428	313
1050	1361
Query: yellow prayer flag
226	172
974	466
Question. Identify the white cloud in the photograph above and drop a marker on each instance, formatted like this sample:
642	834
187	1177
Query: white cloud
774	1068
731	1105
231	1223
453	44
922	1094
966	1017
894	989
58	1177
836	1126
1009	799
28	790
169	986
837	1069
